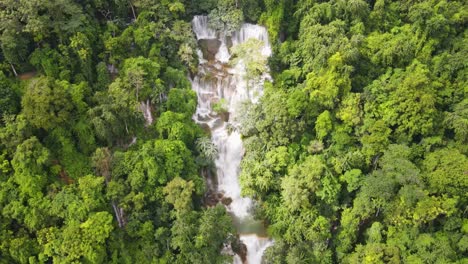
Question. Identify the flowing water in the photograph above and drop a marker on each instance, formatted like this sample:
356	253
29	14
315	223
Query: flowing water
145	107
217	80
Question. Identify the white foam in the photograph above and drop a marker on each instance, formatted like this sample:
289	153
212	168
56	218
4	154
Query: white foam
256	246
145	107
201	29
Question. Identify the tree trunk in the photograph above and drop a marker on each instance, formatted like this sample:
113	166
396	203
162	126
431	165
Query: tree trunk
133	11
14	70
118	214
104	170
137	90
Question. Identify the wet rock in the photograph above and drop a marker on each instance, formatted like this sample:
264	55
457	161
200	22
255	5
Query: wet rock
205	127
226	200
243	253
213	198
224	116
240	249
217	123
210	200
209	48
229	42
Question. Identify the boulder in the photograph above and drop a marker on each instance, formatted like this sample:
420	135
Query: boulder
226	200
209	48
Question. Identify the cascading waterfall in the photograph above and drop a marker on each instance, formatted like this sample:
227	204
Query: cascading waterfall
145	107
217	80
201	29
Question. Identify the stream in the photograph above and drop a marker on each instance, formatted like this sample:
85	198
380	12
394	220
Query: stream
218	80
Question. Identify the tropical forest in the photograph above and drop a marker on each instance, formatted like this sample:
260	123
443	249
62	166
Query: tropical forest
233	131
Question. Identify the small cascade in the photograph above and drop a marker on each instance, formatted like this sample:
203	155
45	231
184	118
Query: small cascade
217	80
257	246
201	29
223	52
248	31
145	107
133	142
228	163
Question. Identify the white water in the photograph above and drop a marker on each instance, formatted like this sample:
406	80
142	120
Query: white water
260	244
145	107
223	52
216	80
201	29
248	31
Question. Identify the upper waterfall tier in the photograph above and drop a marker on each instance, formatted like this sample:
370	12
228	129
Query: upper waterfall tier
201	29
250	31
247	31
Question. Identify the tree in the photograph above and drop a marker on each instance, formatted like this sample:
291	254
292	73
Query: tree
250	53
318	43
323	125
398	50
458	120
77	241
350	111
48	61
331	84
29	165
62	17
142	76
158	162
175	126
206	148
182	101
46	103
375	138
406	99
81	46
227	17
214	231
445	170
352	10
308	182
117	115
14	47
179	193
9	102
14	132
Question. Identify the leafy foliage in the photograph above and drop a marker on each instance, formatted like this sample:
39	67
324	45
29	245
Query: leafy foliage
356	152
82	179
357	149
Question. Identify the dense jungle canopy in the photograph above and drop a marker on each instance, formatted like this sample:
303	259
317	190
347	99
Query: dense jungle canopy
356	153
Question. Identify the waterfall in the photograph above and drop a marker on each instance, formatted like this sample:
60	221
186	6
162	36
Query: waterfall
248	31
223	53
201	29
218	80
145	107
